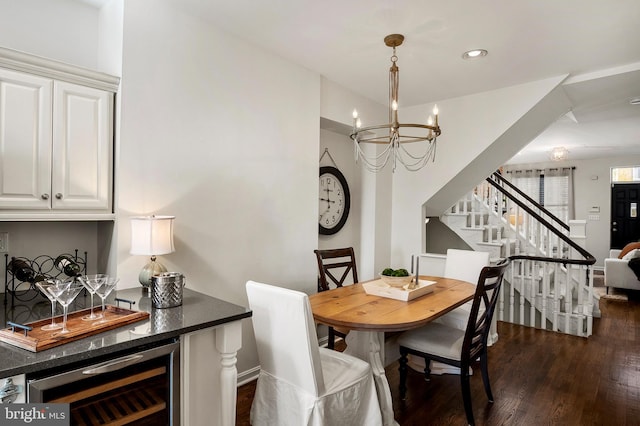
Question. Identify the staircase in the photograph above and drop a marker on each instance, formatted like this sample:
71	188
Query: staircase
550	281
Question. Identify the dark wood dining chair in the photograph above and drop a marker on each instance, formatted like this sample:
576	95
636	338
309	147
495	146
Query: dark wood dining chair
335	266
449	345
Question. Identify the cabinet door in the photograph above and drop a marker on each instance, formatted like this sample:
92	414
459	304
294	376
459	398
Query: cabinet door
25	141
82	148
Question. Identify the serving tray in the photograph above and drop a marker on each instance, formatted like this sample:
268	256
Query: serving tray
37	340
380	288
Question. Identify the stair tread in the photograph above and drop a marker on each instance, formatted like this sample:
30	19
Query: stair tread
485	243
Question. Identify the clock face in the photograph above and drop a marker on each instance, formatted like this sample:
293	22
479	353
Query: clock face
334	201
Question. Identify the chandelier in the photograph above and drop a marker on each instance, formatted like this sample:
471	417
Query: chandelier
559	153
396	134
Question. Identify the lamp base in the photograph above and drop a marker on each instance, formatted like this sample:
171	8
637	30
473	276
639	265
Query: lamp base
150	269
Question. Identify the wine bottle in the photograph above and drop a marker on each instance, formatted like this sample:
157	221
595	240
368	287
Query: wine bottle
21	270
68	265
40	277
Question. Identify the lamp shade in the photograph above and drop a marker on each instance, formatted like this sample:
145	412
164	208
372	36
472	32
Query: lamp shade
152	235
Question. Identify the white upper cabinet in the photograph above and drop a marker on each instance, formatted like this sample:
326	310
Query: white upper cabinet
25	141
82	148
56	141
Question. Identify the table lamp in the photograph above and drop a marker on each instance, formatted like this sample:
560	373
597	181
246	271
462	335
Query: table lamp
151	236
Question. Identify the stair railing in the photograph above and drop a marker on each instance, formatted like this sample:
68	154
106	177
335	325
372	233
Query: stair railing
550	277
514	190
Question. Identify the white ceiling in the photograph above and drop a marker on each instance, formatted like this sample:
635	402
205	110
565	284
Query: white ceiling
527	40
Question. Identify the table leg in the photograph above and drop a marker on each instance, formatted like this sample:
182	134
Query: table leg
369	346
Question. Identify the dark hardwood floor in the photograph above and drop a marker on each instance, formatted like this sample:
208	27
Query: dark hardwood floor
538	378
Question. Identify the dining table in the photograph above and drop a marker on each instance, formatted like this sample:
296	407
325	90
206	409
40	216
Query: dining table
369	316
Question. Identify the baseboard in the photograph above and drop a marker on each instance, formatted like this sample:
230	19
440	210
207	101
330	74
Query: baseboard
248	376
322	342
252	373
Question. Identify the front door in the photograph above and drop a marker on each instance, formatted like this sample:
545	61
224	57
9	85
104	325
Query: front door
625	204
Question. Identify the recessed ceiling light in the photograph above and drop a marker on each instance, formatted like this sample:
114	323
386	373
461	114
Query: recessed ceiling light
475	53
635	101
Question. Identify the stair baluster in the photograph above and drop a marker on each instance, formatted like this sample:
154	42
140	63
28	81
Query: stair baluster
549	271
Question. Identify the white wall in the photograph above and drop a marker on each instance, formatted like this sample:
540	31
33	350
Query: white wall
225	137
64	30
110	37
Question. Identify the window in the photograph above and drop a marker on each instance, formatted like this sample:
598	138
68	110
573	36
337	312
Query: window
551	188
628	174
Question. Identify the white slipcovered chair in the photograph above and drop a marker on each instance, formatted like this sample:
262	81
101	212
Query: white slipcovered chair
617	273
299	382
466	265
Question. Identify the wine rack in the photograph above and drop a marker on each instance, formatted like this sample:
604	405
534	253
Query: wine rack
21	273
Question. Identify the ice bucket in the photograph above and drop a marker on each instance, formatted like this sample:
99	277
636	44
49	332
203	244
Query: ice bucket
166	289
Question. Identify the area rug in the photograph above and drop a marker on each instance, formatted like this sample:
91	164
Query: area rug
614	294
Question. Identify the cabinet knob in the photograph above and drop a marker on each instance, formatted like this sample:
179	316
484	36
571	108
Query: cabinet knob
45	196
59	196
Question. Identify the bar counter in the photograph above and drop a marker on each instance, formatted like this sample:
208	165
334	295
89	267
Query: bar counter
198	311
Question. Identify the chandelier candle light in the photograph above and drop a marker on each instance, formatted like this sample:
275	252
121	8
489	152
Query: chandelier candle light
394	140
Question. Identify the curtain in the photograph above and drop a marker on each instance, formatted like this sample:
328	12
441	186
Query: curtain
552	188
558	193
528	181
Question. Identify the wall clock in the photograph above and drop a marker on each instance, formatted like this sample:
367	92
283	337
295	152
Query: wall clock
334	200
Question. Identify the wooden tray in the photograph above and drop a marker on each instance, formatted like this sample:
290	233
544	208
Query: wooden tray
38	340
379	288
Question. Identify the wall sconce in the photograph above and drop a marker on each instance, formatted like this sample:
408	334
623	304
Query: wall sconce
151	236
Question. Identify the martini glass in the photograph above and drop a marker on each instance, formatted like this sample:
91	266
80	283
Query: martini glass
92	282
65	298
103	291
51	288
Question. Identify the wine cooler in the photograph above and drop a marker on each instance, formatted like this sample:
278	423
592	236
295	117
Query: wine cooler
141	387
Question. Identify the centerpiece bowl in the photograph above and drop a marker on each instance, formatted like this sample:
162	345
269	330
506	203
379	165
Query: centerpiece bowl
396	281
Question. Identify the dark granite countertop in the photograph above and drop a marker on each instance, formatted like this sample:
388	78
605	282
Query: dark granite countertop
198	311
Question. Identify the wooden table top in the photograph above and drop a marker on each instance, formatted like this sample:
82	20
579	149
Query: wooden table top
350	307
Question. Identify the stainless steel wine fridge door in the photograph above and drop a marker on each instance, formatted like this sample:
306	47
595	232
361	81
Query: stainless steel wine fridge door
141	386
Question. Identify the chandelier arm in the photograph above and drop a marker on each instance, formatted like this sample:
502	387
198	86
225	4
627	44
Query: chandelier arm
400	125
434	128
434	132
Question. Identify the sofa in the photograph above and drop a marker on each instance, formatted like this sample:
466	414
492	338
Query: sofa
618	274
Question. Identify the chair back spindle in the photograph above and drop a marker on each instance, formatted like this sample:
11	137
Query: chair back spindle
335	266
331	264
